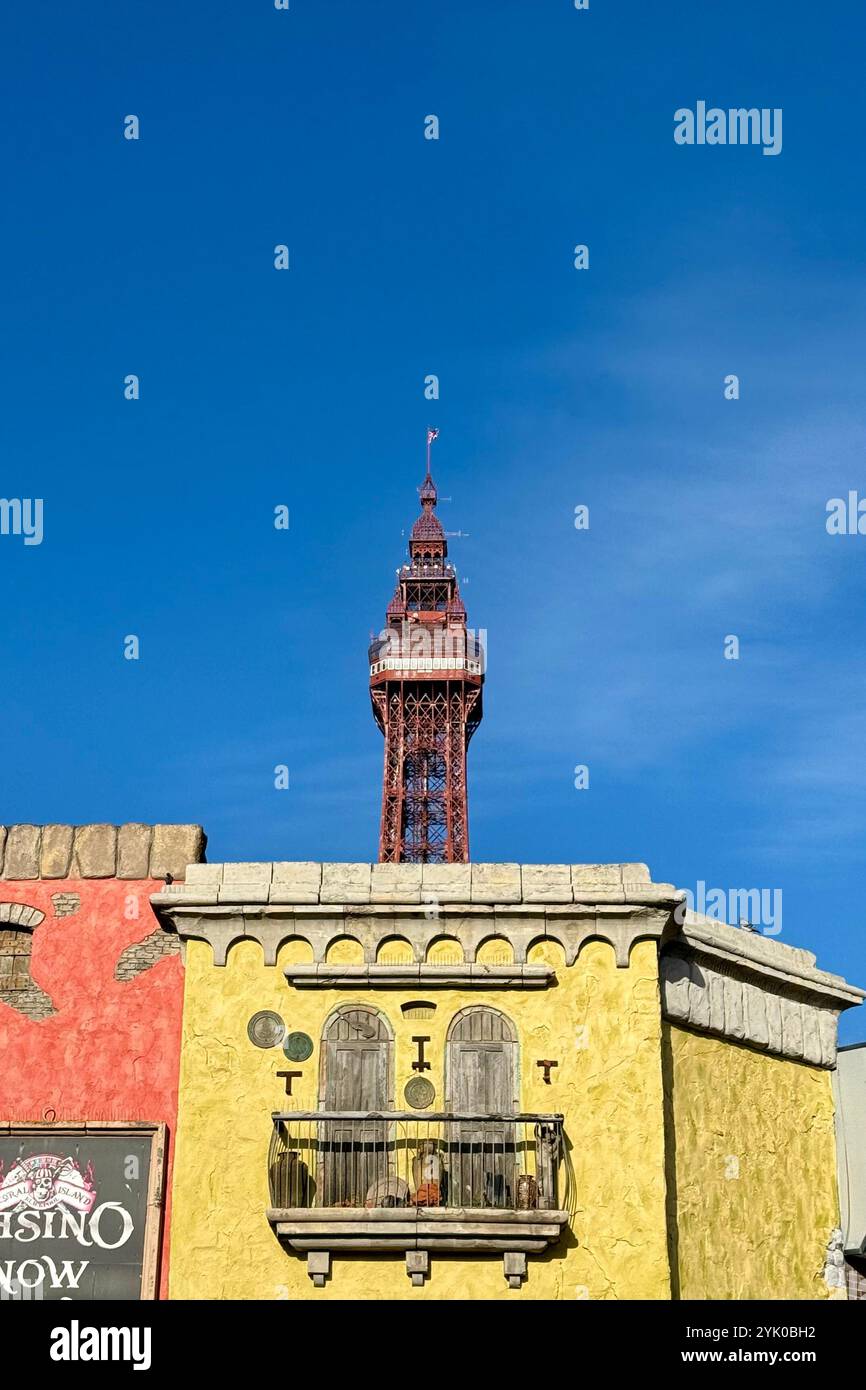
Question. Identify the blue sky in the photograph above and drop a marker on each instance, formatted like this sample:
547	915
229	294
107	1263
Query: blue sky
558	387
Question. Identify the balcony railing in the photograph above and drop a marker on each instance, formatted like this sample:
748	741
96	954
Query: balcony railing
451	650
425	664
447	1162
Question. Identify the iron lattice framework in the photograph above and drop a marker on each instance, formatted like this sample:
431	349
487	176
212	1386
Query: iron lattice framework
426	674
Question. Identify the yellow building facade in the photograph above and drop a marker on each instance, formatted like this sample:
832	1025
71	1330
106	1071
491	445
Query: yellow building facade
494	1081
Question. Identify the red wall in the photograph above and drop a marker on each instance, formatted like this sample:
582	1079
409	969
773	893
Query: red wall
112	1050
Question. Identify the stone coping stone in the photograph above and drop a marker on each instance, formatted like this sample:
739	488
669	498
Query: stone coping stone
310	883
131	851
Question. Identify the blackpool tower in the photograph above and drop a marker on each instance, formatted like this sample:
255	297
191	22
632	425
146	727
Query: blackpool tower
426	674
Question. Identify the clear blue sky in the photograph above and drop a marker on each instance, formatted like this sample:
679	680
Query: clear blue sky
558	387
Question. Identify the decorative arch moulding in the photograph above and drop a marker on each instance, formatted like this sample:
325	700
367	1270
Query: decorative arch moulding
13	914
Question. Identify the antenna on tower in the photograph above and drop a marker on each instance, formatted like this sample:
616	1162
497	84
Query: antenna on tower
431	435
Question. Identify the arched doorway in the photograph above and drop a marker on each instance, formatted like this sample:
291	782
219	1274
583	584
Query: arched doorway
481	1085
355	1080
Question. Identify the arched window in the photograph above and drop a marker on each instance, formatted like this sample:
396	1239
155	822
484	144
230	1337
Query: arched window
356	1076
481	1083
356	1060
481	1063
17	987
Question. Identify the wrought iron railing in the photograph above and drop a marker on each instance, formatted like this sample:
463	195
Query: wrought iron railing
399	1159
438	568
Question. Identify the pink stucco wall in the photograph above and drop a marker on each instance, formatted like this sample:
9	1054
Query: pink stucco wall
112	1049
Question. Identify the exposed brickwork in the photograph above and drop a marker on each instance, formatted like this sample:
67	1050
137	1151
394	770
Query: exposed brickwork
17	988
34	1003
144	955
65	904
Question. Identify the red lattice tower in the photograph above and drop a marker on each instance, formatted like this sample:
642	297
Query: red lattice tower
426	674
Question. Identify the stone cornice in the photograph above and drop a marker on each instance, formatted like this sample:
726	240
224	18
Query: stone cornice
767	958
518	904
714	978
753	989
271	926
420	975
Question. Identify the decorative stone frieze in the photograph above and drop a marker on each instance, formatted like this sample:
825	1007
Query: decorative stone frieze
518	904
753	989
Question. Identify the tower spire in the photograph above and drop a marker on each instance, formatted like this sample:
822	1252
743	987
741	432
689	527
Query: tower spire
426	675
427	491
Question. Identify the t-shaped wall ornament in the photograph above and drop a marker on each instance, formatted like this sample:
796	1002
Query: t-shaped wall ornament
420	1064
547	1066
290	1076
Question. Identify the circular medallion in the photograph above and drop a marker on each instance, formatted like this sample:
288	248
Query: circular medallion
419	1093
298	1047
266	1029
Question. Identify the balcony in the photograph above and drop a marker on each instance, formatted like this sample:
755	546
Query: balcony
400	1181
419	652
426	665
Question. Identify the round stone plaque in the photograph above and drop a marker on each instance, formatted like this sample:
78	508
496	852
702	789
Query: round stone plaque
298	1047
266	1029
419	1093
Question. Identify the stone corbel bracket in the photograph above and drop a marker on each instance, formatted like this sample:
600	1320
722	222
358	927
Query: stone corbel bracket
321	1232
754	990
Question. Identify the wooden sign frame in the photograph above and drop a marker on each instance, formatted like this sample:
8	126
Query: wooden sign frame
154	1202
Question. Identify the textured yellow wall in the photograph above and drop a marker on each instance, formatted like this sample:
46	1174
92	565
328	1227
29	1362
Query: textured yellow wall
600	1023
752	1168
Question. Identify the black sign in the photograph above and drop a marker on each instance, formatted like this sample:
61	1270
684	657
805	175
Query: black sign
73	1213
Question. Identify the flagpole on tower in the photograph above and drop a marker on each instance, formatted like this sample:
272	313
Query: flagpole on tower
431	435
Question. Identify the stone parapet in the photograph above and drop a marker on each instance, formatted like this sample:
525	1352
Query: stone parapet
478	883
130	851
